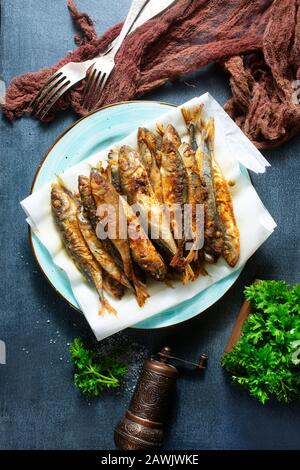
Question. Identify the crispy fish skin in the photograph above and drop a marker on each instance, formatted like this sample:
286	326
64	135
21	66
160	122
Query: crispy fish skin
112	287
195	196
148	149
97	248
113	162
231	248
64	209
90	212
213	236
191	117
169	133
105	194
87	199
142	249
136	186
133	175
175	194
173	176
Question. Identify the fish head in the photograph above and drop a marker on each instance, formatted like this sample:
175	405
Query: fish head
148	138
84	184
129	160
99	184
172	135
63	204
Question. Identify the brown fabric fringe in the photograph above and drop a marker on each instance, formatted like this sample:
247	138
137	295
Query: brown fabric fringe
257	41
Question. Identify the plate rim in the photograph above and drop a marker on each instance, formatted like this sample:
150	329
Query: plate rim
31	233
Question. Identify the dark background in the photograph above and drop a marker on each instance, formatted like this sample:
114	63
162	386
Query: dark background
39	406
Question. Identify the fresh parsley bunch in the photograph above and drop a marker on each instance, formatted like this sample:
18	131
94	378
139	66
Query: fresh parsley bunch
262	359
93	376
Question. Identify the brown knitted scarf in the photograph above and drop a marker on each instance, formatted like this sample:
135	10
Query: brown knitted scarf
258	41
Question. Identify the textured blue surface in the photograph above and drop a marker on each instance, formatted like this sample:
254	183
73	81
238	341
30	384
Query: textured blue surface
39	407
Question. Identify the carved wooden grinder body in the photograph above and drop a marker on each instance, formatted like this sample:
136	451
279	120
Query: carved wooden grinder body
142	426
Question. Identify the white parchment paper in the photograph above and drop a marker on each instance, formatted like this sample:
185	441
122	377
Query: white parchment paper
254	221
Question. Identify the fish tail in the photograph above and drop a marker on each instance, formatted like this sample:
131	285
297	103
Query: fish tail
141	291
192	115
125	282
160	129
209	129
193	254
188	274
106	307
178	260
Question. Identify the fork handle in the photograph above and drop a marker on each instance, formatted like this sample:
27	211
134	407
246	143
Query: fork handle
136	8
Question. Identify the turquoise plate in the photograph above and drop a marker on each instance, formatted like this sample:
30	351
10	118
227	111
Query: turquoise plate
93	133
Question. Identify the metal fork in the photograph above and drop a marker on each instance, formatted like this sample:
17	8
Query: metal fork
102	68
74	72
57	85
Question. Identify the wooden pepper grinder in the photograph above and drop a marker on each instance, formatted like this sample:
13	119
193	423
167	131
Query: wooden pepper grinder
142	426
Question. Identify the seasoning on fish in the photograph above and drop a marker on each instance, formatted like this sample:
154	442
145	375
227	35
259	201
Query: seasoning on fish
97	248
148	149
213	237
112	287
64	209
169	133
90	212
174	180
231	248
113	159
195	201
175	194
106	195
136	186
88	202
191	118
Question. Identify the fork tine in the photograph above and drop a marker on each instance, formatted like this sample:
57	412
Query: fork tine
59	95
44	90
100	85
49	102
47	91
95	92
88	83
104	82
89	96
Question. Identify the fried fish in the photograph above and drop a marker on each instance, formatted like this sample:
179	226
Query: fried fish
213	236
137	187
231	248
195	200
97	248
64	209
105	195
148	149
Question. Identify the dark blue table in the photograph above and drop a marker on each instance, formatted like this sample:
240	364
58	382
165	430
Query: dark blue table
39	406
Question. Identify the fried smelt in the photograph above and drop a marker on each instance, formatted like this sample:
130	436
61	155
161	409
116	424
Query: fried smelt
99	252
105	195
231	248
148	145
64	209
136	186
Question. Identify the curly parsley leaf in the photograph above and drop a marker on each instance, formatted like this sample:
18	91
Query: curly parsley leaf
261	360
92	376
